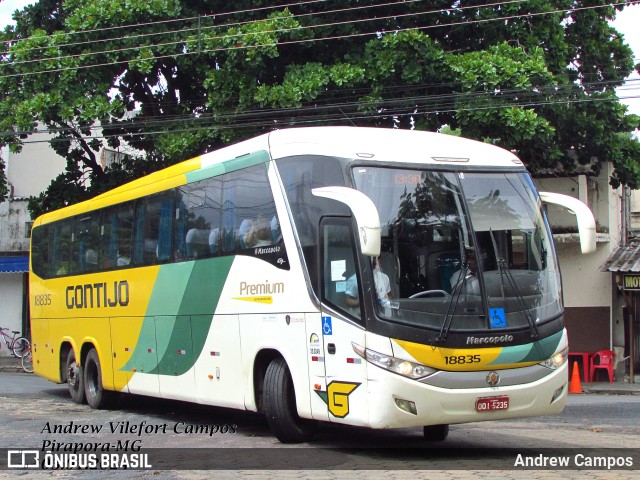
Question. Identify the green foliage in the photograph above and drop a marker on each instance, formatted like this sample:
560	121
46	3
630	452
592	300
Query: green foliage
174	79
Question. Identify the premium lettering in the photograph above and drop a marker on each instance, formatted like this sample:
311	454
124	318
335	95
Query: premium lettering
98	295
261	288
484	340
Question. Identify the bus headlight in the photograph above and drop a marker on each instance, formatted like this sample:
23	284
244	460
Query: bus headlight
393	364
557	359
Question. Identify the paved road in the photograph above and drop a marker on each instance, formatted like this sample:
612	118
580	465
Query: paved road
32	411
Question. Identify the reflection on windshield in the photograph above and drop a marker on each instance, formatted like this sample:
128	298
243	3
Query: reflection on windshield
469	249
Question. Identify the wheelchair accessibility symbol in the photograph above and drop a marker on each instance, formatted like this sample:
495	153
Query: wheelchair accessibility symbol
497	318
327	329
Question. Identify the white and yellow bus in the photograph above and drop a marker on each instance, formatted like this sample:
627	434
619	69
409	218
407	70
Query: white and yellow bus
369	277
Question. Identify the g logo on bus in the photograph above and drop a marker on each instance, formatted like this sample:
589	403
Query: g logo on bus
337	397
493	378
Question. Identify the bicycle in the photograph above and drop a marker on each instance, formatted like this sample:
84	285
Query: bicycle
16	345
27	360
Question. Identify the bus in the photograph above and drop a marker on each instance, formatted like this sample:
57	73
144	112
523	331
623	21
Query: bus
362	276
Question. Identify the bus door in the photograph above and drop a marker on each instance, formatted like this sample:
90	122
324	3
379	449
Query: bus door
345	391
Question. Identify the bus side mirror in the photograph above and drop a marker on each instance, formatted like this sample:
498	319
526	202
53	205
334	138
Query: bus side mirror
584	217
365	212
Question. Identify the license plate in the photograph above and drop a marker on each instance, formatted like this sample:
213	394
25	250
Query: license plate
491	404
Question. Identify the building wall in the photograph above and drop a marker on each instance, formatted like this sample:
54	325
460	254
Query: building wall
14	218
11	285
592	314
28	173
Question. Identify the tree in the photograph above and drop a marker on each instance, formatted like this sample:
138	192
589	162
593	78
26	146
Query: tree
176	78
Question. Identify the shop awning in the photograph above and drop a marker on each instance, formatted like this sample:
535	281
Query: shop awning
624	259
14	264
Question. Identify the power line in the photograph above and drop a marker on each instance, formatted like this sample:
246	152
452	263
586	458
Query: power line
242	35
160	22
349	101
290	42
199	28
249	120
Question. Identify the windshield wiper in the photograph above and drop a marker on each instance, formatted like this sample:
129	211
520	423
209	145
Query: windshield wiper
453	303
506	272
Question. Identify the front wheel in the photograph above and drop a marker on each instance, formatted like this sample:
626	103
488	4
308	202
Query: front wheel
75	381
20	346
97	397
27	362
280	405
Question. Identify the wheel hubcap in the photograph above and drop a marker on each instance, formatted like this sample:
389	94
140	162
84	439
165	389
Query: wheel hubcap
71	375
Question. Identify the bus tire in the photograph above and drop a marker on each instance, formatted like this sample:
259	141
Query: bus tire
436	433
97	397
279	404
75	378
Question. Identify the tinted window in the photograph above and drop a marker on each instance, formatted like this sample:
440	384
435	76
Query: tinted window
117	236
198	219
153	229
248	210
85	245
40	254
300	175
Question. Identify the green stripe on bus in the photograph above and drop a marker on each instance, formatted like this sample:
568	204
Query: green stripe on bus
238	163
531	352
180	334
543	349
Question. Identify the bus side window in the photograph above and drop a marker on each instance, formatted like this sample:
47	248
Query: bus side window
60	248
40	255
154	227
198	219
118	236
165	228
91	238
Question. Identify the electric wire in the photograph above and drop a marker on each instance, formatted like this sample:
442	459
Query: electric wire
376	33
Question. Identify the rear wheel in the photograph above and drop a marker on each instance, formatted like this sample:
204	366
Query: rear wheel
97	396
75	378
20	346
436	433
280	405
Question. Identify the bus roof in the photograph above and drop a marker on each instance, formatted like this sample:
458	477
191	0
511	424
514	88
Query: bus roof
380	144
383	144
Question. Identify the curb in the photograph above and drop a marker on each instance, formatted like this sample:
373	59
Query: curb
610	392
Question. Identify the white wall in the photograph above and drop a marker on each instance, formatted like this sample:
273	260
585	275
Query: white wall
583	283
30	172
13	217
11	301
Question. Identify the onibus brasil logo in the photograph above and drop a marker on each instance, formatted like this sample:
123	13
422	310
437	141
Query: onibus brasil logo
337	397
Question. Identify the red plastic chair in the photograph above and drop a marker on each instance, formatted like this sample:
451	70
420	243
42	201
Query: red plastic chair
601	360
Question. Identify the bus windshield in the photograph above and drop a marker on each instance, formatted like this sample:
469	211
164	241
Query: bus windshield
461	251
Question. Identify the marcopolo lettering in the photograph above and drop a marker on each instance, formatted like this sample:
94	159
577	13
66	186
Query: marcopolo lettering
490	340
98	295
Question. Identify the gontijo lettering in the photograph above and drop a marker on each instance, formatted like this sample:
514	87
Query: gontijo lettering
98	295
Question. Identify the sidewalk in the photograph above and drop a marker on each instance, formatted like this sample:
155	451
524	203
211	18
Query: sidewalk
12	365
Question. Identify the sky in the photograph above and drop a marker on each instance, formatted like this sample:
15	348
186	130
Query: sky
626	23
